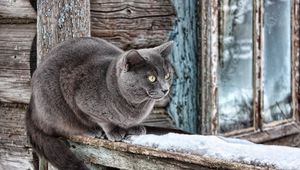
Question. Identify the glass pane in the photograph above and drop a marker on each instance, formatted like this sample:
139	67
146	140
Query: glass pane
277	60
235	66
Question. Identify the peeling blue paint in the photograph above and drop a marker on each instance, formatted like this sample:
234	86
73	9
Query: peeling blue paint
183	105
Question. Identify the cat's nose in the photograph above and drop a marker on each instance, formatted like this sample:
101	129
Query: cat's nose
165	91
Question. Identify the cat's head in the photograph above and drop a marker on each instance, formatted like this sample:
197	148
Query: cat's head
145	73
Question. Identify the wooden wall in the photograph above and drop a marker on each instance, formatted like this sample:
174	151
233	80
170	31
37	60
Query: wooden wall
132	23
17	30
127	24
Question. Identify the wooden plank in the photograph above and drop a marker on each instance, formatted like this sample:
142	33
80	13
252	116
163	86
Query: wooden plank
15	45
131	39
185	95
214	61
16	11
14	149
257	66
159	117
270	133
133	23
123	160
295	58
204	17
126	156
65	20
291	140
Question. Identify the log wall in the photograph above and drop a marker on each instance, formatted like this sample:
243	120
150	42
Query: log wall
132	23
127	24
15	153
15	44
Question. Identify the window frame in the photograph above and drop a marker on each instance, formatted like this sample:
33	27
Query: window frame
209	15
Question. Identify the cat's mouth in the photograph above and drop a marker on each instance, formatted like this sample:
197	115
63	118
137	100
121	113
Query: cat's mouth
155	95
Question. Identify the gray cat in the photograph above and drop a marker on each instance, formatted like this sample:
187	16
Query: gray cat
86	85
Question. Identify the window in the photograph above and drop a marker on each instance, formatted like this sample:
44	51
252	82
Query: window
250	68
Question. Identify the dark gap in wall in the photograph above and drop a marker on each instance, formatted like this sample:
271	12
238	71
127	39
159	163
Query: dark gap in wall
33	56
33	4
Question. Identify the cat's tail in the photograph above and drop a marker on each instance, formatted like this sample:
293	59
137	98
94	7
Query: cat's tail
51	148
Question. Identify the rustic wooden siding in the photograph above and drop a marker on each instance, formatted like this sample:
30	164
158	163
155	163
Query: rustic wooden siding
15	44
132	23
16	11
17	30
14	149
58	21
127	24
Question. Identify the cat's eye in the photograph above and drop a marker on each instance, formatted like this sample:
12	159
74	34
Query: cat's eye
167	76
151	78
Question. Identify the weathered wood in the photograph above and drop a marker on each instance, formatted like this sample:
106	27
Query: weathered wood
204	44
15	44
290	140
19	11
60	20
123	160
127	24
295	59
125	156
270	133
159	117
139	29
183	105
14	149
133	23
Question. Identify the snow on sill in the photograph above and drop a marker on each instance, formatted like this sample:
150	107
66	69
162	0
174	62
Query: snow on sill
243	151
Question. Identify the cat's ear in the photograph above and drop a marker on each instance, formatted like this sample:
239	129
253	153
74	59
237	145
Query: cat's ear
131	59
165	49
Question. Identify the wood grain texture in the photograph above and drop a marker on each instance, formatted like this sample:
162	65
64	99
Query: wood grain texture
290	140
60	20
126	156
127	24
132	23
159	117
122	160
184	100
14	149
271	133
16	10
15	44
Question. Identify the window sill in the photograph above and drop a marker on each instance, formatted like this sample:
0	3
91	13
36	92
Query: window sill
99	152
270	132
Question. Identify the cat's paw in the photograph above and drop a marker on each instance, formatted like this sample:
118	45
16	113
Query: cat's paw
99	134
117	134
136	130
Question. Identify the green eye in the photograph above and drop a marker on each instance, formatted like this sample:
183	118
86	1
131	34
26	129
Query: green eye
167	76
151	78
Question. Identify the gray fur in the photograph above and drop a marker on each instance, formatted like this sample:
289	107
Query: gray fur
87	84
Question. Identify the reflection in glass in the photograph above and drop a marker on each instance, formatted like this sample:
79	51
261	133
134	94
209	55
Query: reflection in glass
235	66
277	60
